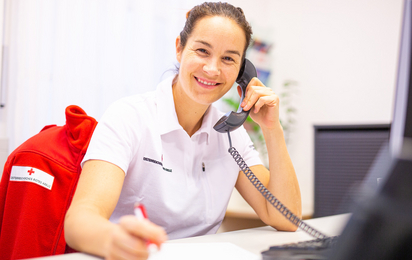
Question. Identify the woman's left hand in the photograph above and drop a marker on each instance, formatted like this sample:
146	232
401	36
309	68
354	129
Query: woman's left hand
263	104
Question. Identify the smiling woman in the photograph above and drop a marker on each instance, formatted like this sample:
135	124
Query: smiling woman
209	67
159	149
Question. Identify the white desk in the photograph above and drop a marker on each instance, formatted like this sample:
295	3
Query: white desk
254	240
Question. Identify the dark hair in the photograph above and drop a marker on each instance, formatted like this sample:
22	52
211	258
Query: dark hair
215	9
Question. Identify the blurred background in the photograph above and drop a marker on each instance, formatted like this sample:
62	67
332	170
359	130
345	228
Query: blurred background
331	62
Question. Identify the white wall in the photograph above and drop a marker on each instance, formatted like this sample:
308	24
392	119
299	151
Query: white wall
2	110
4	151
344	56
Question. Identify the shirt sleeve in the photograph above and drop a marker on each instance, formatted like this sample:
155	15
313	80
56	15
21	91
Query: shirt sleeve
245	147
113	137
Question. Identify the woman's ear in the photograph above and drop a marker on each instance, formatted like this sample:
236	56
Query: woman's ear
179	49
239	90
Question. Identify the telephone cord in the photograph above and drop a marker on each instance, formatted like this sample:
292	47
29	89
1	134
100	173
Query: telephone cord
269	196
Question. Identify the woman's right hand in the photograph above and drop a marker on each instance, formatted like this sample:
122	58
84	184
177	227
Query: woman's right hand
87	227
129	238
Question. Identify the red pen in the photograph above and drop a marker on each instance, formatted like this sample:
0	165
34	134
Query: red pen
140	213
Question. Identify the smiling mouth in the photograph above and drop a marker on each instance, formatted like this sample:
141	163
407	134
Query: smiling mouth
206	82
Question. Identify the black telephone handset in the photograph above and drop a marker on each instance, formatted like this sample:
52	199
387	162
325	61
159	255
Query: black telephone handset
233	120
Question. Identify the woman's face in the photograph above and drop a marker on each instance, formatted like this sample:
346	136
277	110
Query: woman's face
211	59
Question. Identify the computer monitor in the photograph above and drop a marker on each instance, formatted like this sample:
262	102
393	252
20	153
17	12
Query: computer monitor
381	225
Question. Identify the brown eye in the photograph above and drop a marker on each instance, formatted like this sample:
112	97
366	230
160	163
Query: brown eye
202	51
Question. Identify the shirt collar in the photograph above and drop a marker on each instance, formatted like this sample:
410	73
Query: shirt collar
166	112
207	124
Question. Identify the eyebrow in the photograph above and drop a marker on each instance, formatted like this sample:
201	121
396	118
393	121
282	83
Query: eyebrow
210	46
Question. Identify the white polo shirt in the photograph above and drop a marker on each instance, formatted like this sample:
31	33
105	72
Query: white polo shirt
184	182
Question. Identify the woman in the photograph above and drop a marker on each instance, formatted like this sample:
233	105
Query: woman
160	149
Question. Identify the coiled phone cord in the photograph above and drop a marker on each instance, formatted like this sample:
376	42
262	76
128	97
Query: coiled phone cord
269	196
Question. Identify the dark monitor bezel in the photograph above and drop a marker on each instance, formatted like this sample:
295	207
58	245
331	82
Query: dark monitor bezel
401	127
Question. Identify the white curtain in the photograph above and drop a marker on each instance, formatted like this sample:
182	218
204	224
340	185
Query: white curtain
84	52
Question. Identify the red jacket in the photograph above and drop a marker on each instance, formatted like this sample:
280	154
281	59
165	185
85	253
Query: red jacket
37	186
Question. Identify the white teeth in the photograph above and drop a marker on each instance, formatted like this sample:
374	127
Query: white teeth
206	83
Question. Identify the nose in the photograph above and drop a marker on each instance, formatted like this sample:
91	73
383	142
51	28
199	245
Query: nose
211	68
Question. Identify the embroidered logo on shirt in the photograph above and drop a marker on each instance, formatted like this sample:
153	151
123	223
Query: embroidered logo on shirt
156	162
30	174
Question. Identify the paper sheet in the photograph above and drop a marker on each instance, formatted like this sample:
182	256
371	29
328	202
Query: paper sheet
203	251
